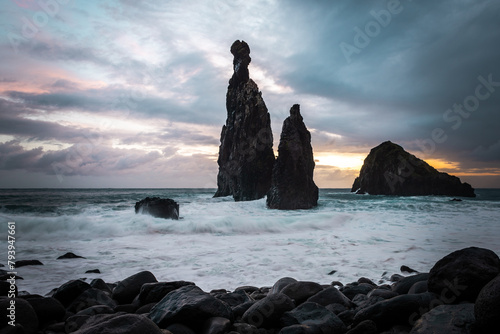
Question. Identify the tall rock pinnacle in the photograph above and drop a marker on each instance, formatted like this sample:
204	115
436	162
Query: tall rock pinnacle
292	183
246	156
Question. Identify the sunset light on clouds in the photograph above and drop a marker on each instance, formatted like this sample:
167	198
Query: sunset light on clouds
132	93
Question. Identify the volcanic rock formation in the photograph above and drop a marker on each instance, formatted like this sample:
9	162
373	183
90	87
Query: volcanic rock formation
158	207
246	156
292	184
390	170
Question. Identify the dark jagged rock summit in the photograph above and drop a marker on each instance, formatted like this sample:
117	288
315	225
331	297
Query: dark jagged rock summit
390	170
158	207
292	183
246	156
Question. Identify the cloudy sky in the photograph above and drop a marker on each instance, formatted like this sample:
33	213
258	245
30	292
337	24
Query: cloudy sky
127	93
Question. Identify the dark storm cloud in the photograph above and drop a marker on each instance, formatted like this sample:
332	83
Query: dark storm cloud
428	57
12	123
79	159
13	156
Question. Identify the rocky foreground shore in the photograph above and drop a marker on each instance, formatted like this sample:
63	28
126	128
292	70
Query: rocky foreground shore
460	294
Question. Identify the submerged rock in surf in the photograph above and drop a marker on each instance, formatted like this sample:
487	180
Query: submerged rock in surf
293	186
158	207
22	263
70	255
390	170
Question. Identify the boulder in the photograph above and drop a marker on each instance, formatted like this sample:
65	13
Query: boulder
400	310
68	292
312	314
118	324
23	314
216	325
47	309
234	299
154	292
187	303
364	327
300	291
129	288
487	307
404	285
301	329
158	207
350	291
266	312
281	284
390	170
449	319
91	297
5	288
246	155
96	309
459	276
383	293
244	328
98	283
418	287
292	185
330	295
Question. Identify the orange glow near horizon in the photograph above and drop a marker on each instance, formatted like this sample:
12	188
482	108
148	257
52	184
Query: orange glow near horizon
346	161
440	164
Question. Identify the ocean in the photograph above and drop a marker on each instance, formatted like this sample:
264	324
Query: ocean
219	243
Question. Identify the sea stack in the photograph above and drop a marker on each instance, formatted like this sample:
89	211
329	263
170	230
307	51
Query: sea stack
292	183
246	156
390	170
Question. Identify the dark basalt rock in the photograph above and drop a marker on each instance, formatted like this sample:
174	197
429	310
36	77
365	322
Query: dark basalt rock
91	297
154	292
186	304
70	255
246	156
350	291
47	309
329	296
129	288
390	170
300	291
267	312
450	319
24	316
292	183
118	324
281	284
69	291
400	310
22	263
158	207
487	307
404	285
93	271
312	314
216	325
459	276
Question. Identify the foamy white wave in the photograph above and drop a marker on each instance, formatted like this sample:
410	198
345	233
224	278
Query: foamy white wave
220	243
